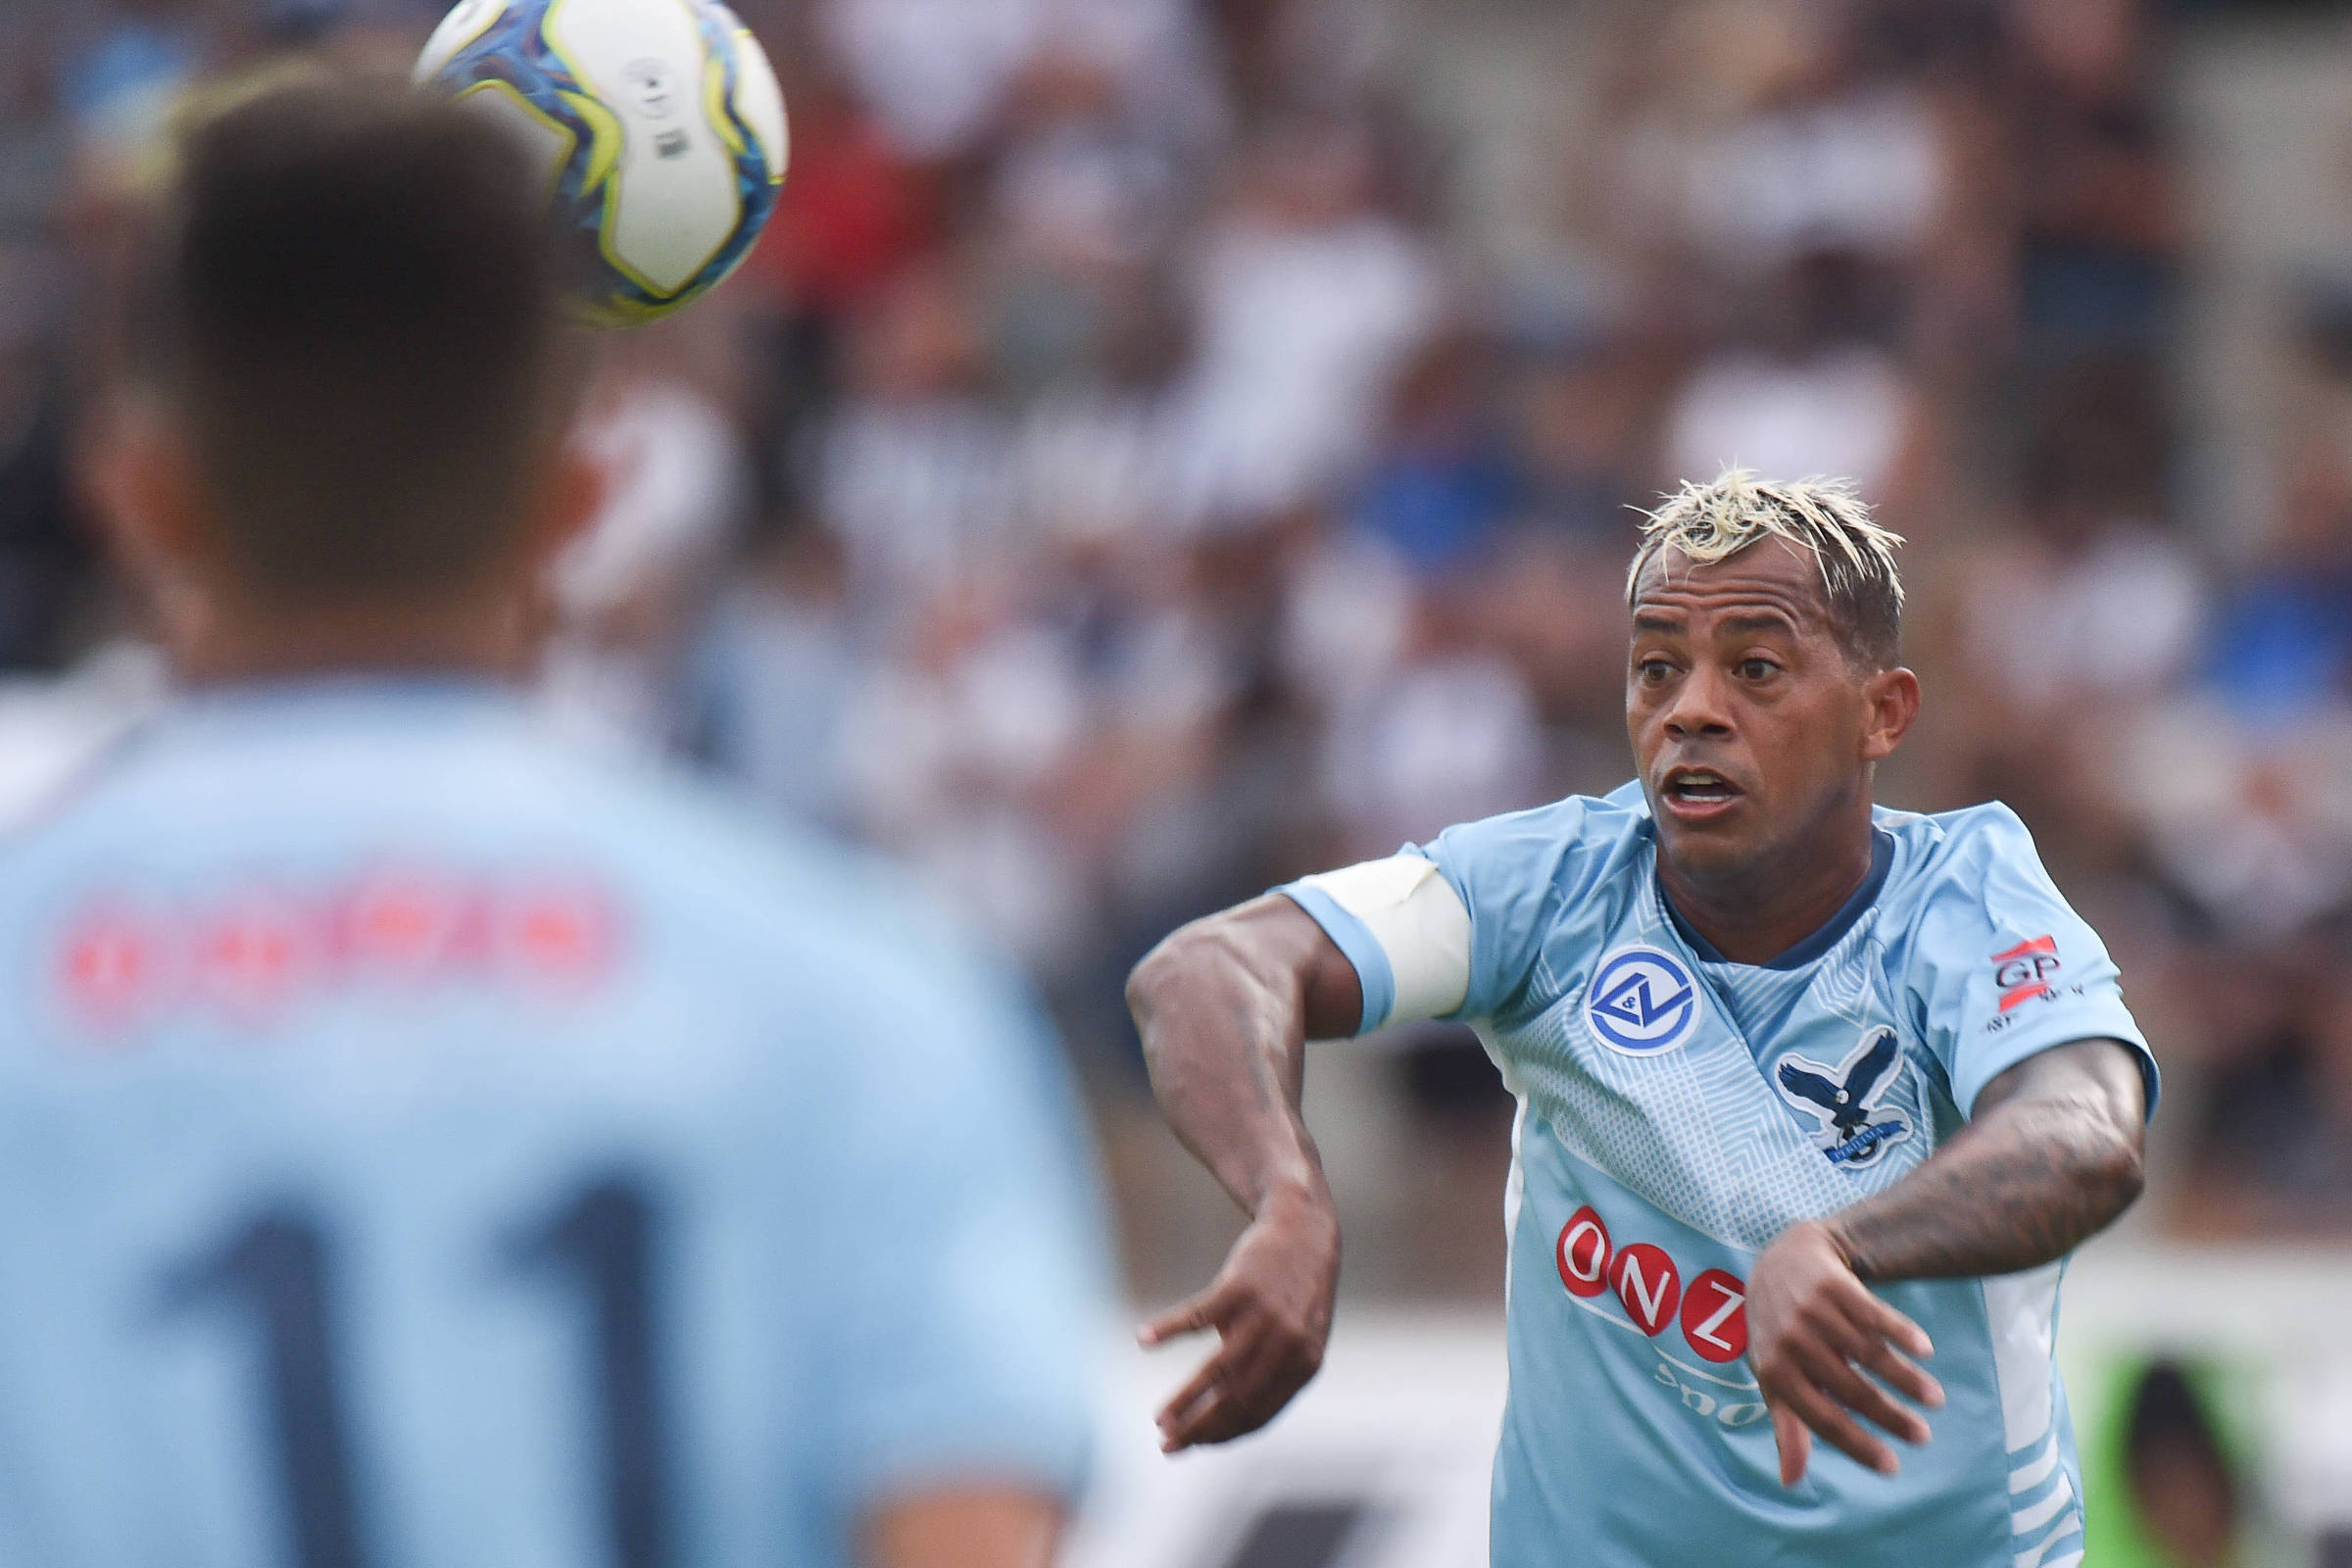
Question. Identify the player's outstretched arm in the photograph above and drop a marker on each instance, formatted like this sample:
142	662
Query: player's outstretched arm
2050	1157
1225	1008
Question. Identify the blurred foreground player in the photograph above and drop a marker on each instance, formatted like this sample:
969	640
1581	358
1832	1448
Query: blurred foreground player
1809	1091
419	1146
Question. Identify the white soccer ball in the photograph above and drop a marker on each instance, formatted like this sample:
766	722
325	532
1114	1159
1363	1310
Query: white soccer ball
659	123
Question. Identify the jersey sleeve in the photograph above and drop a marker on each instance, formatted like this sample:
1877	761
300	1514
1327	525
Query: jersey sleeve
960	1250
1455	928
1404	929
2003	968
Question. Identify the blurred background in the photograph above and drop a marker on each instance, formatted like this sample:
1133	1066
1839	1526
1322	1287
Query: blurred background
1166	446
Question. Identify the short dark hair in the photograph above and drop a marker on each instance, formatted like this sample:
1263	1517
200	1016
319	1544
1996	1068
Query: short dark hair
355	307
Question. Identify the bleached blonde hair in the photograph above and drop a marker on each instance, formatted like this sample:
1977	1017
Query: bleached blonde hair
1824	518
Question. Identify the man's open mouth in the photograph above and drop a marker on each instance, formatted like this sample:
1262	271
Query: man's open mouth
1698	786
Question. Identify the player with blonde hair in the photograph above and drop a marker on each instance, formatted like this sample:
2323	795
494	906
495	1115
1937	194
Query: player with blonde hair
1811	1094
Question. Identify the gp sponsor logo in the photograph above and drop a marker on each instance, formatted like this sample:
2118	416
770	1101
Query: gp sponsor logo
1710	1311
2029	972
2025	971
1641	1002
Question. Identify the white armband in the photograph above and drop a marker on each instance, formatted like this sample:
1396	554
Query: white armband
1420	924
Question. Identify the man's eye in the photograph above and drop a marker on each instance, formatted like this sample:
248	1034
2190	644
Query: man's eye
1655	669
1756	668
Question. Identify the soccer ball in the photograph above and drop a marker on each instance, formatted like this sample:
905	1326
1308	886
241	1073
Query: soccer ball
659	123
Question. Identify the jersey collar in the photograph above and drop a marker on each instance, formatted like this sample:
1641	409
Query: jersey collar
1881	859
304	705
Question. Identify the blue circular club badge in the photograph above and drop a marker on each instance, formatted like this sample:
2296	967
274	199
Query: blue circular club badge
1643	1001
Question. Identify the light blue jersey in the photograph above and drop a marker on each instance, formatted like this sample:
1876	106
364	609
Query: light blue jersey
1677	1112
421	1146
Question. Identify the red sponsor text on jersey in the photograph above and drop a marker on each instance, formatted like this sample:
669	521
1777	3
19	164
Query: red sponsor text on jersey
1648	1285
1712	1307
1715	1316
2025	971
1583	1252
252	949
557	933
109	963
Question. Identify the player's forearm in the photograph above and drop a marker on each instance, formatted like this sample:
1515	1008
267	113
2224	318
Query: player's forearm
1223	1019
2052	1158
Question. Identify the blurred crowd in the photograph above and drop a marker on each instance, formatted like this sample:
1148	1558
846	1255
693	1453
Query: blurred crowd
1135	470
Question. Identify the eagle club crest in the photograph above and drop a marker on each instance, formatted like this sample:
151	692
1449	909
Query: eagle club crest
1855	1129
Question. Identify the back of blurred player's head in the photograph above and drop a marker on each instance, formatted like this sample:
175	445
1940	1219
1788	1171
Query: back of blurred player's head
353	317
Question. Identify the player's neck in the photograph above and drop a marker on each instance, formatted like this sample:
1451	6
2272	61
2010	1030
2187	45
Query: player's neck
465	638
1767	910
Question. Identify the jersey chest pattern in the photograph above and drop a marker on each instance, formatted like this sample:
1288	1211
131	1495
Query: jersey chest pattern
1639	1065
1677	1115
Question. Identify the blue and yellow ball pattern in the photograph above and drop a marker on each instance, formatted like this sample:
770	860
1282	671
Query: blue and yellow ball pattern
660	123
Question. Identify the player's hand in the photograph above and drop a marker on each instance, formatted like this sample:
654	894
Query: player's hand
1271	1308
1826	1352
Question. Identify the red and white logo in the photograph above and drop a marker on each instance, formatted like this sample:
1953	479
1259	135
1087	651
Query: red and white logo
1583	1254
2024	971
1648	1282
1715	1316
1650	1286
253	952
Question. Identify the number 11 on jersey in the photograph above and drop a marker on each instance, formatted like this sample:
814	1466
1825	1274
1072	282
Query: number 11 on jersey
279	1267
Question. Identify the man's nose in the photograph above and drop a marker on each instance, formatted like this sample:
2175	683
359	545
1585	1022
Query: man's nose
1698	708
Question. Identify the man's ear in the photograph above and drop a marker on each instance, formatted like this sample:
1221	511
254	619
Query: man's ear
1892	697
571	497
141	477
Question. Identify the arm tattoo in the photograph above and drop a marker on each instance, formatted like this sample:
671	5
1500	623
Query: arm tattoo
2052	1156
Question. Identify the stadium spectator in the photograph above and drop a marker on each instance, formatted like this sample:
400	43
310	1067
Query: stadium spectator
1182	446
